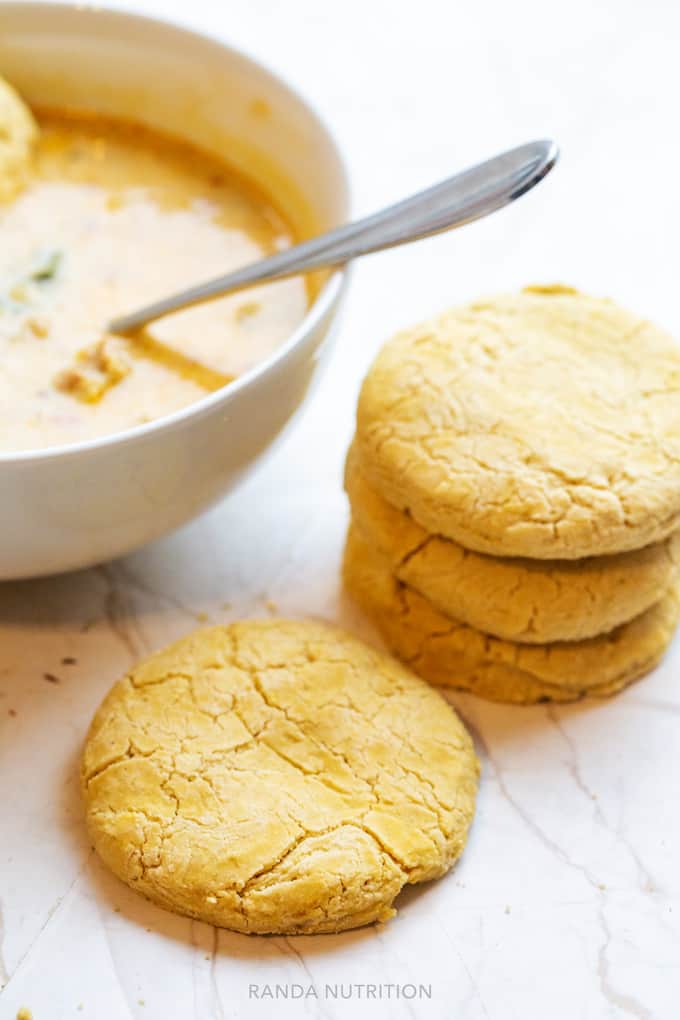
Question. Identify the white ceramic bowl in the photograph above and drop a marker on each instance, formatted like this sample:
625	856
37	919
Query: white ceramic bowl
76	505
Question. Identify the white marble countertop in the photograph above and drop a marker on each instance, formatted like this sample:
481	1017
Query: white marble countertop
566	904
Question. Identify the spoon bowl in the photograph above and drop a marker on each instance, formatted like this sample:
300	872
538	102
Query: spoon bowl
470	195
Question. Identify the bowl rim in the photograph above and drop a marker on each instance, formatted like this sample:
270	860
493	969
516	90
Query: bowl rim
320	307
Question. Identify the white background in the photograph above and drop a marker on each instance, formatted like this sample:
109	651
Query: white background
566	905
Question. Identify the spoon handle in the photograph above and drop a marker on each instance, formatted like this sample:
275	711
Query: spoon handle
467	196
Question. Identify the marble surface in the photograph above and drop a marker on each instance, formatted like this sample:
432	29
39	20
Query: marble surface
566	904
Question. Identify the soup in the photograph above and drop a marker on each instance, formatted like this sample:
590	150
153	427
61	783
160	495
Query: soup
114	216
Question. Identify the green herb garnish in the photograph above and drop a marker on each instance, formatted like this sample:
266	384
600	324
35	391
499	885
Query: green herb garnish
46	266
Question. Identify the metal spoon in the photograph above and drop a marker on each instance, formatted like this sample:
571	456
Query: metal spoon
468	196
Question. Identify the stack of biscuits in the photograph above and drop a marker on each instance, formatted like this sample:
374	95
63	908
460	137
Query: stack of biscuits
514	484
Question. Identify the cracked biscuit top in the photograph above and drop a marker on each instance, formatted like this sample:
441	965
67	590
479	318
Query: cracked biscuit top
544	424
277	776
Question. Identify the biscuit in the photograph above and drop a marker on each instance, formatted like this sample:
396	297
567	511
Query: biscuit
544	424
450	654
18	133
531	601
277	777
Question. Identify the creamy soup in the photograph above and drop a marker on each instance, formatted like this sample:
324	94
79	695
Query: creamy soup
114	217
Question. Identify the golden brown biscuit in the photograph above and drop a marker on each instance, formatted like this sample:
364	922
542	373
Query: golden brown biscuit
543	424
18	133
277	776
531	601
448	653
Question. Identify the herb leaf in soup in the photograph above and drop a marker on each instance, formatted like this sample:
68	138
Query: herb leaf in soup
15	295
46	265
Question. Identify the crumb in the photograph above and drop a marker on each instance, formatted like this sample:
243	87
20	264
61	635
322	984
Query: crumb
51	678
12	712
77	384
260	108
115	201
95	370
141	1002
207	957
507	910
116	910
602	886
202	617
226	606
247	310
38	326
271	605
24	1013
69	660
